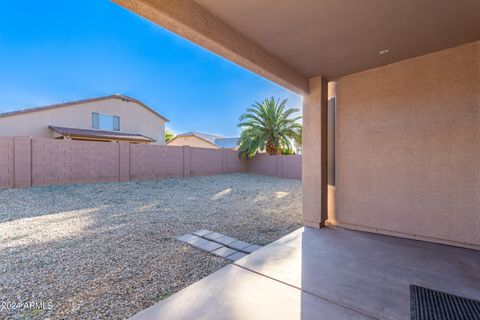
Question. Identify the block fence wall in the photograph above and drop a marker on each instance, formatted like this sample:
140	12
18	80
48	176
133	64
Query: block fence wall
276	166
26	161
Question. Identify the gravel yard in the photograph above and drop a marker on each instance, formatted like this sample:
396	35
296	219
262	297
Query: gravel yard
108	250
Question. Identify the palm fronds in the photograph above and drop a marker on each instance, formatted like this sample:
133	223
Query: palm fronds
269	126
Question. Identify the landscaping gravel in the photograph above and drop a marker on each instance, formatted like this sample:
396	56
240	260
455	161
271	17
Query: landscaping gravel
108	250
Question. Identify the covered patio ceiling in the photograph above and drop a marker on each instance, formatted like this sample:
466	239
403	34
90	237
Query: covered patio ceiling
334	38
291	41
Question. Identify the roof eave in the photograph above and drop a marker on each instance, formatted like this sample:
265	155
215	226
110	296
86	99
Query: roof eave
141	138
70	103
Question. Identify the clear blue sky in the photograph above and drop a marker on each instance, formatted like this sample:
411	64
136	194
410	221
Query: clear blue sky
60	50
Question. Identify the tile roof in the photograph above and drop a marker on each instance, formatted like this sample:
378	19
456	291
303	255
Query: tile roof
70	103
101	134
221	142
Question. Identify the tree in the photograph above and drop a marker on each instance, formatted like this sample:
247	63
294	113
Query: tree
169	136
269	126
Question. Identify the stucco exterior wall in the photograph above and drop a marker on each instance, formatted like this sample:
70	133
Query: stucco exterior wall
133	119
408	148
192	141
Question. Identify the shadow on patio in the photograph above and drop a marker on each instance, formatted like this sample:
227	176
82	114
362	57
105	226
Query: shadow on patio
329	273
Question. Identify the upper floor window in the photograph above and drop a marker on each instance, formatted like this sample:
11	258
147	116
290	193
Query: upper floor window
105	122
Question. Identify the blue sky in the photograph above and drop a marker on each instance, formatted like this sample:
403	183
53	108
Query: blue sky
56	50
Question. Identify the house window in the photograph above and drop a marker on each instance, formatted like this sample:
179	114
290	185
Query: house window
116	123
105	122
95	121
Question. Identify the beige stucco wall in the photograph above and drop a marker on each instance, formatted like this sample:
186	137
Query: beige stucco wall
408	148
192	141
134	118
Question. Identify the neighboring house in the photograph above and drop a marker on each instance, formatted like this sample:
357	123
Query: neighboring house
204	140
109	118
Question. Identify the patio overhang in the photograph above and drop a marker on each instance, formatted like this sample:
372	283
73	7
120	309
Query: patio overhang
292	41
98	135
192	21
402	70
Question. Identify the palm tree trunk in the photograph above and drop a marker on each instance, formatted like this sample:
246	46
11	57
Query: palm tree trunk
271	148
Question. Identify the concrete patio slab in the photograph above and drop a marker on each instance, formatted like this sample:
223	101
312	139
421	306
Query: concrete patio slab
235	293
224	252
329	273
239	245
366	272
236	256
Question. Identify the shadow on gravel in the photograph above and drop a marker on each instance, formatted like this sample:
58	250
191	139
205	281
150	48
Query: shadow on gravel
109	249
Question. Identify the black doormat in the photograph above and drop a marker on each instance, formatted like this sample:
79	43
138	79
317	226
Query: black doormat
428	304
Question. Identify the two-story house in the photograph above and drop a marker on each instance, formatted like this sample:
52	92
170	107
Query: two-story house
109	118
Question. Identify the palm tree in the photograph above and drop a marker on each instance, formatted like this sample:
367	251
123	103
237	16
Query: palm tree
268	126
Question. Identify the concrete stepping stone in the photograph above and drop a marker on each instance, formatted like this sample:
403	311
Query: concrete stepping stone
239	245
186	237
251	249
213	236
219	244
204	244
224	252
225	240
202	233
236	256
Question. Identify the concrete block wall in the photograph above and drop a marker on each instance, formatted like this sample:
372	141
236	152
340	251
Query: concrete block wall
263	164
22	148
31	162
276	166
149	162
205	162
124	161
231	162
64	161
7	179
291	166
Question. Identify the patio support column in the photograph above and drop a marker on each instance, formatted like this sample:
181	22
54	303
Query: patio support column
314	161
